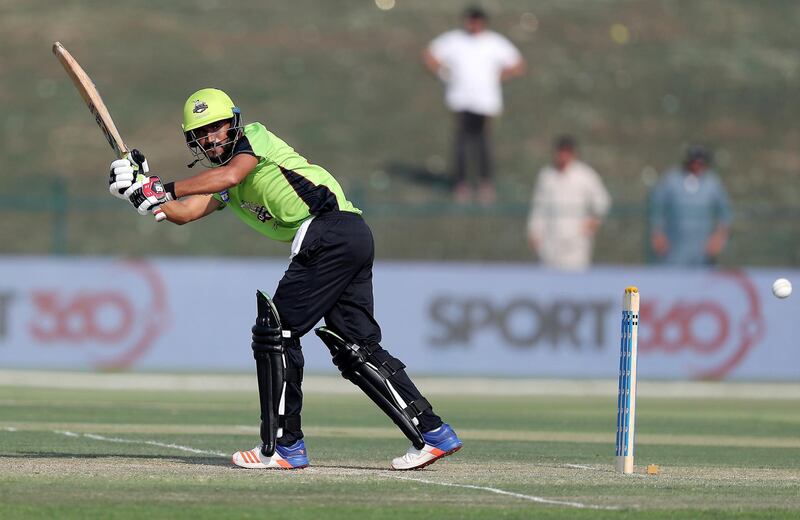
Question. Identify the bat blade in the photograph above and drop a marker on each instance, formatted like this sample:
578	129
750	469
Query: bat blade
85	87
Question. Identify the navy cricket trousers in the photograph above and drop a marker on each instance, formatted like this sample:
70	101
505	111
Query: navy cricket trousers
331	278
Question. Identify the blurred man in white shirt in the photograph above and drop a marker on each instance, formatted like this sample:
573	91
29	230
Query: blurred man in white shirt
567	207
473	62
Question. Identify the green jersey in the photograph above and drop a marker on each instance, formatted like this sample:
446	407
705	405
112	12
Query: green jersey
283	190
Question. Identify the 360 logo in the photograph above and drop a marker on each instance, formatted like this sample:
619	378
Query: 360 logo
676	328
101	316
115	326
720	335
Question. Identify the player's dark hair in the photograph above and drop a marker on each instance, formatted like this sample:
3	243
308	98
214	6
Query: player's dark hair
475	13
697	152
565	142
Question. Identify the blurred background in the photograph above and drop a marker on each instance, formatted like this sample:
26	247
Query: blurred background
343	81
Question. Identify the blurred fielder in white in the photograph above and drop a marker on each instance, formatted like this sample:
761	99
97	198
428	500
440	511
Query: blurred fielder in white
473	62
567	207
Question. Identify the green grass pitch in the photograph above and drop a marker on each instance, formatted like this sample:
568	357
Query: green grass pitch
120	453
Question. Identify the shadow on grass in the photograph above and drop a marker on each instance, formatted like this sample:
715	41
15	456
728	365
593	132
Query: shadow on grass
421	175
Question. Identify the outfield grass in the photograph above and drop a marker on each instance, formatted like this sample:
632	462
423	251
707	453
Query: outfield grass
102	453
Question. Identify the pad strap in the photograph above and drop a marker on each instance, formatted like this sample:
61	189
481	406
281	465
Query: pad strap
289	339
293	375
290	422
417	408
387	368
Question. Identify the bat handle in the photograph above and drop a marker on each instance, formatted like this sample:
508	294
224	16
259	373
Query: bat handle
159	214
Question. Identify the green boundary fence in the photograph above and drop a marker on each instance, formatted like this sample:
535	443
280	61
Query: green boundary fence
54	218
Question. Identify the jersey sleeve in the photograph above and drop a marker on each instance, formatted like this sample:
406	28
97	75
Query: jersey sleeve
658	204
440	47
722	203
507	53
597	196
537	208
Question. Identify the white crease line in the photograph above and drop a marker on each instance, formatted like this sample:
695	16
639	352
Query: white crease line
149	443
578	466
532	498
9	429
581	466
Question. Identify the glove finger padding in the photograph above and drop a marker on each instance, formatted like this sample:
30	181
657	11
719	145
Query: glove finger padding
120	178
118	188
131	190
145	207
123	177
120	164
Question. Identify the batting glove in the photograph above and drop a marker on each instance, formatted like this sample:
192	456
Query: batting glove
147	194
125	171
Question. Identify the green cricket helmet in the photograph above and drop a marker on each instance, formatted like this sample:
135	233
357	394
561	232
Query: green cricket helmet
204	107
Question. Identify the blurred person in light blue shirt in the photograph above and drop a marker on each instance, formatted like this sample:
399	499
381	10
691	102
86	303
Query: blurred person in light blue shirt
690	213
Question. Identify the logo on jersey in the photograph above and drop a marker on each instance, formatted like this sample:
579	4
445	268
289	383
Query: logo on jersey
199	107
259	211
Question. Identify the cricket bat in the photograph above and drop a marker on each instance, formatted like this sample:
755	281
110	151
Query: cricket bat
91	96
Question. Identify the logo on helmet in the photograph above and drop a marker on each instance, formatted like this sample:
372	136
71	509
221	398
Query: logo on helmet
199	106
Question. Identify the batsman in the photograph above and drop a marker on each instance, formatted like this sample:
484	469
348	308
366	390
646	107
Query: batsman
277	192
